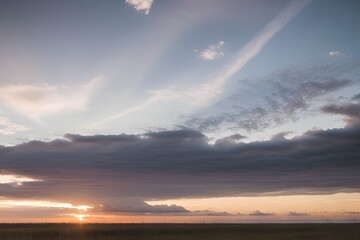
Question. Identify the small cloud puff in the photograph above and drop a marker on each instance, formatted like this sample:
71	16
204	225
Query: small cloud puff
214	51
335	53
141	5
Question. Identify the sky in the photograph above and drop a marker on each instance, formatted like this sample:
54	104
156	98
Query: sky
179	111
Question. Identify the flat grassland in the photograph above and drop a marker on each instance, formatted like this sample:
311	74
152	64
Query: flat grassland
179	231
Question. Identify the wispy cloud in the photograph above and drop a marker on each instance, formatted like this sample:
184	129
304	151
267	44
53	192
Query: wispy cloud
141	5
202	94
270	101
214	51
156	95
335	53
15	179
40	204
8	128
36	101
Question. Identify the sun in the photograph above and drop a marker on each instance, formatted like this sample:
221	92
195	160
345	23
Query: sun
80	217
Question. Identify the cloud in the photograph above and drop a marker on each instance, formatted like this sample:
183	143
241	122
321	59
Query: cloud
280	136
40	204
15	180
160	165
353	212
335	53
256	104
214	51
356	97
297	214
139	206
36	101
156	95
202	94
141	5
351	111
230	140
8	128
211	213
259	213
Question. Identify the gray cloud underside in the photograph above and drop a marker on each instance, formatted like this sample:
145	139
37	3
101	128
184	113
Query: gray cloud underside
350	110
173	164
356	97
257	104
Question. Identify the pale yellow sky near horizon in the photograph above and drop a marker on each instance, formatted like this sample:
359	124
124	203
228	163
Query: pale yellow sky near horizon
348	202
338	207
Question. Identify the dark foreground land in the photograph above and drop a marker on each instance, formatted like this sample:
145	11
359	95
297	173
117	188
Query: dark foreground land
178	231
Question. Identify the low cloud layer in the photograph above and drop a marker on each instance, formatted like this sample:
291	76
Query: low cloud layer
259	213
297	214
108	169
140	207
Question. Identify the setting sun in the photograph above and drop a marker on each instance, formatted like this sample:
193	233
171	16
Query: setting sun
80	217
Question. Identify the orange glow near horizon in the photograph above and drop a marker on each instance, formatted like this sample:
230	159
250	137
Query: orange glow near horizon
344	207
80	217
118	218
340	202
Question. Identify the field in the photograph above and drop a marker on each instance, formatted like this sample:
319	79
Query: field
178	231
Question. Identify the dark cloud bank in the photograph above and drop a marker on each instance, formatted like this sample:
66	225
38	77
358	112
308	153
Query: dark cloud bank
110	169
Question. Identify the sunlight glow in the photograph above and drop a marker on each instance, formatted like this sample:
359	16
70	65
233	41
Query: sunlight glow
41	204
80	217
15	179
